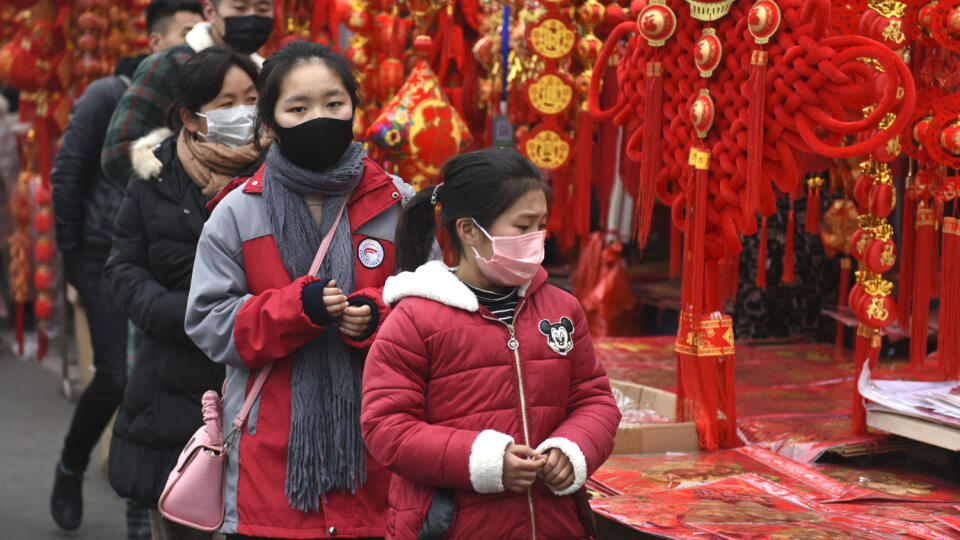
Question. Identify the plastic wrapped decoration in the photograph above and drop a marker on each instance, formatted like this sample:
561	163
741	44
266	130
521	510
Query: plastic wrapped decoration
419	129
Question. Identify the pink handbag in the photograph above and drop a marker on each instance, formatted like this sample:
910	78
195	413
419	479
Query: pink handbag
193	494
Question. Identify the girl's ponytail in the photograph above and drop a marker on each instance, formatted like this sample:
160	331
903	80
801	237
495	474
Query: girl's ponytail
416	231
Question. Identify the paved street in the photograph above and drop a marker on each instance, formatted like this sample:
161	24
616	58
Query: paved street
33	420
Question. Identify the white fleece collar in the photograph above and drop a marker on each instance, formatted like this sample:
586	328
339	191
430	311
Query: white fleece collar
199	38
145	164
435	281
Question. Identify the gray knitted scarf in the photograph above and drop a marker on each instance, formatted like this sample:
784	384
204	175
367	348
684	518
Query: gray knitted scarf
326	451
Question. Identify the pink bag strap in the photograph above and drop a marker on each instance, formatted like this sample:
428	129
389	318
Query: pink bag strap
265	370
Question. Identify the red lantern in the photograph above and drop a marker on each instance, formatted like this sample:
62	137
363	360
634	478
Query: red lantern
44	250
763	20
43	195
920	129
855	295
953	21
707	52
359	21
877	311
880	255
925	16
44	220
391	76
43	307
43	277
883	198
656	22
702	112
861	191
858	243
950	139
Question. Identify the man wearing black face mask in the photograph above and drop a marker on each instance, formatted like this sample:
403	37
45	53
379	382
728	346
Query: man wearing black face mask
243	25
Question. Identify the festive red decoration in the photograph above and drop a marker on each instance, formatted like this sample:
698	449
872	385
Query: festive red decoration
880	255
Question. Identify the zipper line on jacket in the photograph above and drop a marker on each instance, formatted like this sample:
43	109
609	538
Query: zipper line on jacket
514	345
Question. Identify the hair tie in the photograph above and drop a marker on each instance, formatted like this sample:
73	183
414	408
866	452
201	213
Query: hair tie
433	196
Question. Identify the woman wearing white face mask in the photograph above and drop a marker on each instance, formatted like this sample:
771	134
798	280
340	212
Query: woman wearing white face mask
151	263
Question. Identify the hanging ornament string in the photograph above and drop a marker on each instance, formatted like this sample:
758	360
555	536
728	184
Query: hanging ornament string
763	21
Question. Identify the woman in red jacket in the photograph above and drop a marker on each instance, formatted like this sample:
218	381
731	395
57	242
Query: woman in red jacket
482	391
298	468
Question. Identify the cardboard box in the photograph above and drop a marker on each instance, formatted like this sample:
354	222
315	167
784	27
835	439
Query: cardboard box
654	438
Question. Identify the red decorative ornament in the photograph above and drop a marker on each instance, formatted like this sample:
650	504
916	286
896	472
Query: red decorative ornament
877	311
656	23
44	220
702	113
707	52
43	277
858	244
43	306
925	17
763	20
883	198
861	191
920	130
44	249
950	139
880	255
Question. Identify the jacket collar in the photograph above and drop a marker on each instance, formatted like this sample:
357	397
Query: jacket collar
436	281
199	38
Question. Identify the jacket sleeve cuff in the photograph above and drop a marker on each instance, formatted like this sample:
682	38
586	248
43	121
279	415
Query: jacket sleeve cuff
378	312
486	461
313	304
575	455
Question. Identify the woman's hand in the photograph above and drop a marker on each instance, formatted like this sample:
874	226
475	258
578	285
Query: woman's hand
355	320
520	466
557	472
334	300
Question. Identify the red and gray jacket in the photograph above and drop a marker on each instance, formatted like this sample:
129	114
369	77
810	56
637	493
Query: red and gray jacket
447	387
244	310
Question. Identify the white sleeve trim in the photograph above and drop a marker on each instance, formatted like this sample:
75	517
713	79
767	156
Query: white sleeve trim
575	455
486	461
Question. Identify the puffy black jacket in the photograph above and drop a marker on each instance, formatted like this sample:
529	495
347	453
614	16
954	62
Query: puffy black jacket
149	270
85	200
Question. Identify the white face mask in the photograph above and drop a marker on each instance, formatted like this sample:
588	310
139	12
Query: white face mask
231	127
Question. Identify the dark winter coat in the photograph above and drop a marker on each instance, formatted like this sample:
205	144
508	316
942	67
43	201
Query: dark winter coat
150	269
85	200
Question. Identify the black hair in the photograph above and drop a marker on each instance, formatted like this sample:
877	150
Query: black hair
297	53
479	185
161	12
200	80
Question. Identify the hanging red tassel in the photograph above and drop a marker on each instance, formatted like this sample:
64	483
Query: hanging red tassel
908	252
844	288
756	108
813	205
652	158
948	334
789	257
762	256
922	286
583	174
676	250
700	160
867	351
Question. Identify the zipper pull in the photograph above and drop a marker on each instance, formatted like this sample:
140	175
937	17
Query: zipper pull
512	344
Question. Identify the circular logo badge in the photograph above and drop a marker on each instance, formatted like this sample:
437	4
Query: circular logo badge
370	253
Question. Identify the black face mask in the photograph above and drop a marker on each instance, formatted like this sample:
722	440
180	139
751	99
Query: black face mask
247	33
317	144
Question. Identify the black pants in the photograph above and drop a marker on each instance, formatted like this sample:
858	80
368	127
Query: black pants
108	335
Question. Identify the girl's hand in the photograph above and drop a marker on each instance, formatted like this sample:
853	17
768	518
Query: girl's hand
355	320
520	466
557	472
334	299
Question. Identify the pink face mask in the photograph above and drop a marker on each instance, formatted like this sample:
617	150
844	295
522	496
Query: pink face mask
515	260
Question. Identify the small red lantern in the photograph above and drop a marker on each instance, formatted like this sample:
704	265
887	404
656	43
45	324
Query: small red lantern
707	52
877	311
880	255
43	251
858	243
391	75
861	191
656	23
43	306
883	198
763	20
43	277
950	139
855	295
43	220
925	16
702	112
920	129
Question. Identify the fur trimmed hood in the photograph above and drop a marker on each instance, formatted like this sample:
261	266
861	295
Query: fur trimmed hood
436	281
145	164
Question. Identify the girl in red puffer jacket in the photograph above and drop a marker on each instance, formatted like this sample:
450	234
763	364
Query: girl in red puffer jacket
482	391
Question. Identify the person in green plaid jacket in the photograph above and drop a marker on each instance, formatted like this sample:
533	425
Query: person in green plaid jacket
244	25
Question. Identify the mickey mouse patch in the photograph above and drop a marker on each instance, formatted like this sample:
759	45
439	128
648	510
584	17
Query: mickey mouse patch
559	335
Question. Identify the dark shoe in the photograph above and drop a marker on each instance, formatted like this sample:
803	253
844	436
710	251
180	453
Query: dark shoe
66	502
